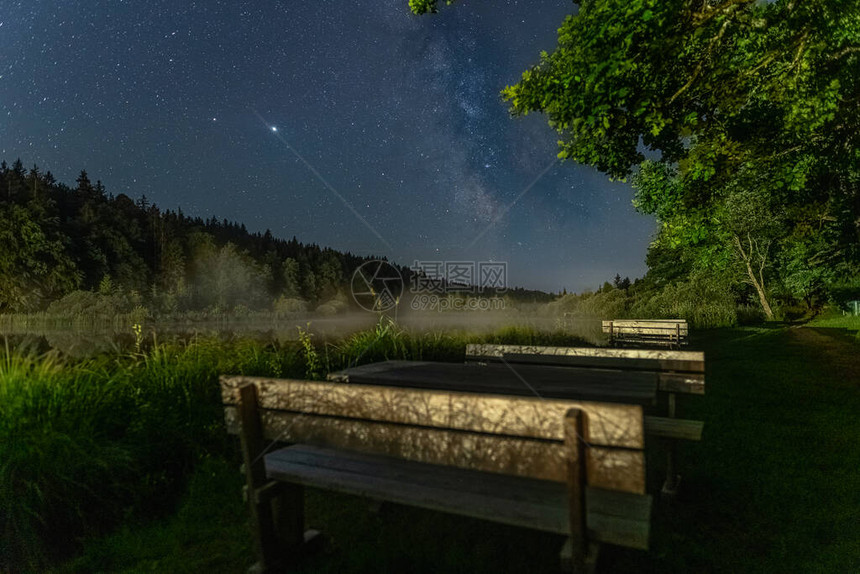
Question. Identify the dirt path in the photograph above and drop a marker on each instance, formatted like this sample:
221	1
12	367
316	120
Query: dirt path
840	350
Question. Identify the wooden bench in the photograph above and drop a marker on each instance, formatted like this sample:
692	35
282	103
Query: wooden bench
656	332
676	372
571	468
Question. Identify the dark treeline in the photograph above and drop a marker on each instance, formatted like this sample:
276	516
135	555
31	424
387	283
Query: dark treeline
82	249
57	240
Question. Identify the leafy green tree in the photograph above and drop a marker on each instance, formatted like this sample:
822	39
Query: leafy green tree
291	278
34	265
227	278
330	276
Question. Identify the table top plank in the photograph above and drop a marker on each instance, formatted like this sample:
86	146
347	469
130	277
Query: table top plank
547	381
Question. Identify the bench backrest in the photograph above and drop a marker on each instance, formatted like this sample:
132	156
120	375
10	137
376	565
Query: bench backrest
657	331
511	435
676	371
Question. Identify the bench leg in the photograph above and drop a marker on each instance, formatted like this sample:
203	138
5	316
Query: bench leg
260	491
288	511
670	486
568	564
277	509
575	552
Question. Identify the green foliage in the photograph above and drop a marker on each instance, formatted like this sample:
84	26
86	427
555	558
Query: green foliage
208	533
425	6
285	305
386	341
34	264
606	304
313	364
224	277
702	301
106	286
83	444
93	304
291	277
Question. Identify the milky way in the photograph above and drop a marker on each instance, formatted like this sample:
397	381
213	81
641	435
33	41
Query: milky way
411	151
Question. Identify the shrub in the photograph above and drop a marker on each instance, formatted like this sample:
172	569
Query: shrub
703	301
89	303
285	305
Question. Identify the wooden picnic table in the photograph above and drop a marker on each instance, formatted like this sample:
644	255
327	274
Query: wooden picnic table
545	381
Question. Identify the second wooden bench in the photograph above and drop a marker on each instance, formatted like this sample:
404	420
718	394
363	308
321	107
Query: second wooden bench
676	372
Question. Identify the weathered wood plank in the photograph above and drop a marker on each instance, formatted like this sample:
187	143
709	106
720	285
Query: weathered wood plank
610	424
609	468
692	382
444	488
523	380
627	365
511	500
681	429
438	476
691	361
647	323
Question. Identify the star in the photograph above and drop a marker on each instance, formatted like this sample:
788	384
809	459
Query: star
274	129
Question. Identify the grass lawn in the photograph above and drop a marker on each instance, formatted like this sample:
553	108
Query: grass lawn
836	319
774	486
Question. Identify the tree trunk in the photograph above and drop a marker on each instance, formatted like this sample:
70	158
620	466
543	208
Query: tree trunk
759	287
757	282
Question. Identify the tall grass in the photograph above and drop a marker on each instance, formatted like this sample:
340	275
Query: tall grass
61	465
87	444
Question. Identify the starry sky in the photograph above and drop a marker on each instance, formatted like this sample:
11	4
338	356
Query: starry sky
351	125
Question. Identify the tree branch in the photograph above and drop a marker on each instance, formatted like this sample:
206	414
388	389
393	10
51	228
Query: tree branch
844	51
701	63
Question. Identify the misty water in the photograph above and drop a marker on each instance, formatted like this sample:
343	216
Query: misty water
81	342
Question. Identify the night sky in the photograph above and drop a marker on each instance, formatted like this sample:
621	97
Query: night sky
352	125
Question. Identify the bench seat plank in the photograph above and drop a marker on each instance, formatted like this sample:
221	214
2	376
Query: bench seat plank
613	517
